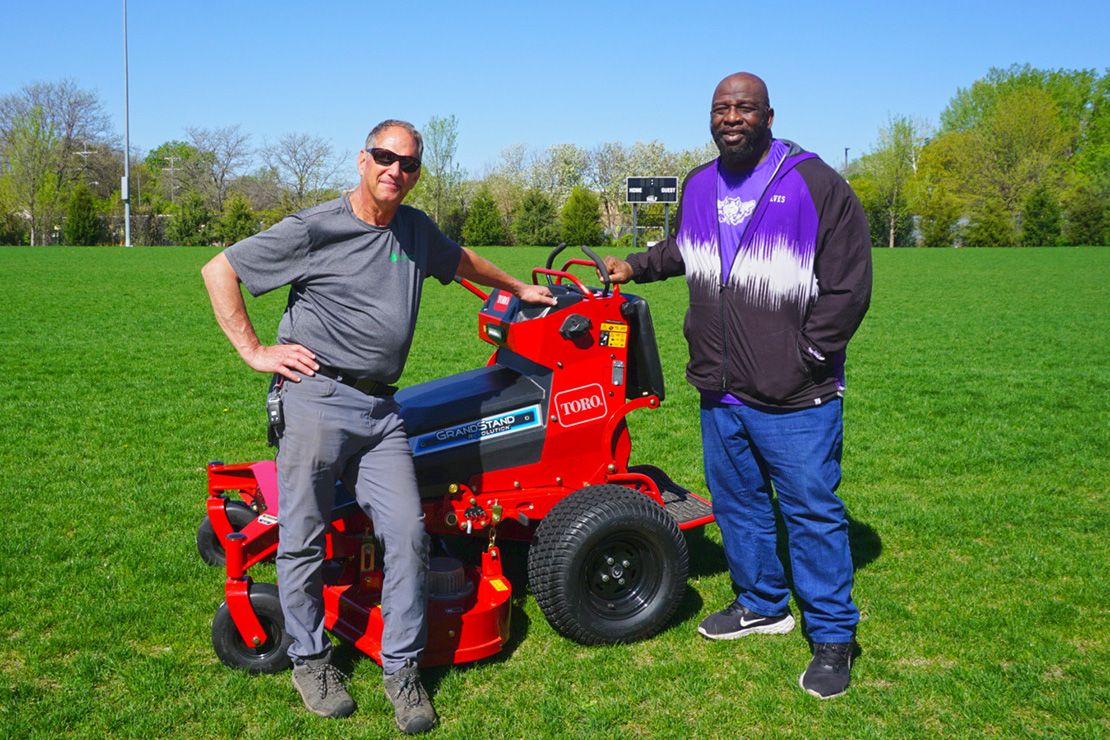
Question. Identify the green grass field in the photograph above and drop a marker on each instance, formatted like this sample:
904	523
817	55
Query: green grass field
977	463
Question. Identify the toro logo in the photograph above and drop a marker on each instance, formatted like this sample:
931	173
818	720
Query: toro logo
503	301
580	405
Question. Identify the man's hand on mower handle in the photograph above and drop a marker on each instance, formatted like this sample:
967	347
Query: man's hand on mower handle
284	359
530	293
619	271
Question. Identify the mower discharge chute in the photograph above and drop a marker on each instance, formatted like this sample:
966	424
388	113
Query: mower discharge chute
533	447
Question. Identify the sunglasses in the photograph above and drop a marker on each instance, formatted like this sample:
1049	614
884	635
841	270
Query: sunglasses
386	158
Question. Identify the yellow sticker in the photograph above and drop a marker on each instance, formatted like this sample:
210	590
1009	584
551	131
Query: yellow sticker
499	585
621	328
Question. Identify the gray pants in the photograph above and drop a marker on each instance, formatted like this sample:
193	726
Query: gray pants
333	431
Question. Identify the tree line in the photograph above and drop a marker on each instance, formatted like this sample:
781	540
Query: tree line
1021	157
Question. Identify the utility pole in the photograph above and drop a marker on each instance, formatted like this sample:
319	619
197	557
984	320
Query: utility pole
173	178
125	194
85	161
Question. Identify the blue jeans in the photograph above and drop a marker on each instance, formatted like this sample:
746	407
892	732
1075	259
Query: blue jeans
753	455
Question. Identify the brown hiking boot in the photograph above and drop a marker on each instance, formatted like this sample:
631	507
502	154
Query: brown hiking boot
411	706
320	685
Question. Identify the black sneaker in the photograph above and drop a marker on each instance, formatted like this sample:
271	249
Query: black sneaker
830	671
737	620
412	708
320	685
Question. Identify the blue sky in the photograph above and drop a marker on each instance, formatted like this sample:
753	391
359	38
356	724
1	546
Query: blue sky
541	74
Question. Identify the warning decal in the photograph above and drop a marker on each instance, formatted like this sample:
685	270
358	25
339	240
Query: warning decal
613	335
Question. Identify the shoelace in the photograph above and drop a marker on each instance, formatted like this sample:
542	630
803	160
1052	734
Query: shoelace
409	691
735	608
330	678
832	654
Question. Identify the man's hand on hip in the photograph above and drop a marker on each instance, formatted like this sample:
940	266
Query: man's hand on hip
283	359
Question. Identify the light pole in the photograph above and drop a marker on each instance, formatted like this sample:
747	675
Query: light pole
845	161
125	193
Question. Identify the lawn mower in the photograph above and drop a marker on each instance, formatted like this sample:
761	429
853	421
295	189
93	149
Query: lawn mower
534	447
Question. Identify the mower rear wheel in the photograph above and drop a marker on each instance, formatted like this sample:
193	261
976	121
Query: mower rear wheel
608	565
272	656
209	546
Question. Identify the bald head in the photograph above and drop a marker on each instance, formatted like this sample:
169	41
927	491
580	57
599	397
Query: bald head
750	84
740	120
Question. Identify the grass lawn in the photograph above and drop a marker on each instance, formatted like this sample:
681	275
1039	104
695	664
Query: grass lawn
977	463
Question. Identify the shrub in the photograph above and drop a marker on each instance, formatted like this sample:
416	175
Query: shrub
82	224
484	226
582	219
536	223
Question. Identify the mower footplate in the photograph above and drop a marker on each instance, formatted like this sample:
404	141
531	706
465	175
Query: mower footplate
686	508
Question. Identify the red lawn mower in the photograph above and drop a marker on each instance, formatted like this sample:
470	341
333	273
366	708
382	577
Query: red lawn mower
532	447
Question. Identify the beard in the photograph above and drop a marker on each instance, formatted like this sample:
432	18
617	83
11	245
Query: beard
744	154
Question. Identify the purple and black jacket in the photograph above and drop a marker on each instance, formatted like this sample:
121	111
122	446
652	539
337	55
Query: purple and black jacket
770	329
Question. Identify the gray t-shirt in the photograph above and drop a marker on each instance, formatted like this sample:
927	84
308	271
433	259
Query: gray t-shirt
354	288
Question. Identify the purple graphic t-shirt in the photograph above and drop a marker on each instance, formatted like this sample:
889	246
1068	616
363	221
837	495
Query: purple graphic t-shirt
737	196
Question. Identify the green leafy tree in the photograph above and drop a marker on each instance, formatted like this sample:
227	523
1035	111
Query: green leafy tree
190	223
176	169
990	226
82	225
1088	219
454	222
938	217
441	181
484	225
535	223
891	168
582	219
11	228
238	221
29	178
1040	219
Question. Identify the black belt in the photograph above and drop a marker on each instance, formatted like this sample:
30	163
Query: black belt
365	385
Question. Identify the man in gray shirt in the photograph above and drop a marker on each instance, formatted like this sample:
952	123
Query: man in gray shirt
354	267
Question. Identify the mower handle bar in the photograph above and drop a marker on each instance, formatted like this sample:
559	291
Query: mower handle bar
597	262
560	275
471	287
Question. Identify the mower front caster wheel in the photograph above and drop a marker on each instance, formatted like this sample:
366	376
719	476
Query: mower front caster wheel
272	656
608	565
208	544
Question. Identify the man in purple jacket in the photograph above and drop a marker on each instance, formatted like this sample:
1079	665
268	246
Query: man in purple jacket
776	252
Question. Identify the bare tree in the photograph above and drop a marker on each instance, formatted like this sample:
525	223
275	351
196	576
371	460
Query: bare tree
75	116
608	166
507	179
226	151
305	164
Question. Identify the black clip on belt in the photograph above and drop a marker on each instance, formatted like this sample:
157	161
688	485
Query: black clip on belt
365	385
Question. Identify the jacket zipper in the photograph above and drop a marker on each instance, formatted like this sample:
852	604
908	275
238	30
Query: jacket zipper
724	275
